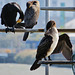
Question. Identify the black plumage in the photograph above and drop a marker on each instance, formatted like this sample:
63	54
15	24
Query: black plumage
9	13
42	50
44	46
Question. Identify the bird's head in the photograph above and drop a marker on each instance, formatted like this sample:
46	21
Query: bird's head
32	3
50	24
18	7
49	27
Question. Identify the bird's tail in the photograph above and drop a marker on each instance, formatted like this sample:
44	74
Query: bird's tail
25	36
35	65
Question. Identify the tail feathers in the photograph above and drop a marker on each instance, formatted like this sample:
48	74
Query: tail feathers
35	65
25	36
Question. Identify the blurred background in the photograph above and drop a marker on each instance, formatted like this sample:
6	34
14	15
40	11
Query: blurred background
14	50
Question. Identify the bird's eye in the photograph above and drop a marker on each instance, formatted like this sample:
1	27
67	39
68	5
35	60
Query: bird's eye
53	23
34	2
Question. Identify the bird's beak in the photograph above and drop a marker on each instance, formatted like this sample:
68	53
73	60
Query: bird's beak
19	20
48	31
29	6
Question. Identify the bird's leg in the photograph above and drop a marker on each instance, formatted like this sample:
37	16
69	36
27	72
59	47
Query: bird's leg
13	29
49	59
45	59
36	22
7	29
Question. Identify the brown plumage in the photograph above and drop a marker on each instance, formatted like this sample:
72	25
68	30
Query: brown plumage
47	44
31	16
64	45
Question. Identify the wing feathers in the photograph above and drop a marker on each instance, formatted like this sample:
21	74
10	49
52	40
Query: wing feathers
44	46
64	45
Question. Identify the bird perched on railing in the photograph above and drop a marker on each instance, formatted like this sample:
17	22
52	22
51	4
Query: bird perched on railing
31	16
47	44
9	14
64	45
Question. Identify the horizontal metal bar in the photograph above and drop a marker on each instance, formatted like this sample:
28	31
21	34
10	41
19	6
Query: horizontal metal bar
39	30
56	62
24	30
67	30
58	8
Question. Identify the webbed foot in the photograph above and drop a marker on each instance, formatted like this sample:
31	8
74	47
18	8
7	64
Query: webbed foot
49	60
7	30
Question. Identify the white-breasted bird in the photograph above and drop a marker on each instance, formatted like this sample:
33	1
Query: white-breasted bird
64	46
47	44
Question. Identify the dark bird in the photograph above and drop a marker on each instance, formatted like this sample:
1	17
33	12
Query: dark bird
64	45
47	44
31	16
9	14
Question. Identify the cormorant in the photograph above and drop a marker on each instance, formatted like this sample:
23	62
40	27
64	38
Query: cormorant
9	13
47	44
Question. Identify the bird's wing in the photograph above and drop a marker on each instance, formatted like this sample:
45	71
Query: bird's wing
2	21
67	52
66	38
44	47
64	45
29	13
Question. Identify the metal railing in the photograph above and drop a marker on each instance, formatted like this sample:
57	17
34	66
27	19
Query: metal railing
39	30
42	30
58	8
55	62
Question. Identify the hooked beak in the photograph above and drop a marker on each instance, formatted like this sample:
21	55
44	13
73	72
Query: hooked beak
48	31
29	6
19	20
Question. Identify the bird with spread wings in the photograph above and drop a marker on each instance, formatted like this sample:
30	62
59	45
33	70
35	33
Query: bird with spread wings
47	44
64	45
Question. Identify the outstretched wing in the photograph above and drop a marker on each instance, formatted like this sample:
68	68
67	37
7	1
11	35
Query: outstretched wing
64	45
44	47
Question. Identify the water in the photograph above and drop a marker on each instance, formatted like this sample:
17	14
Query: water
22	69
